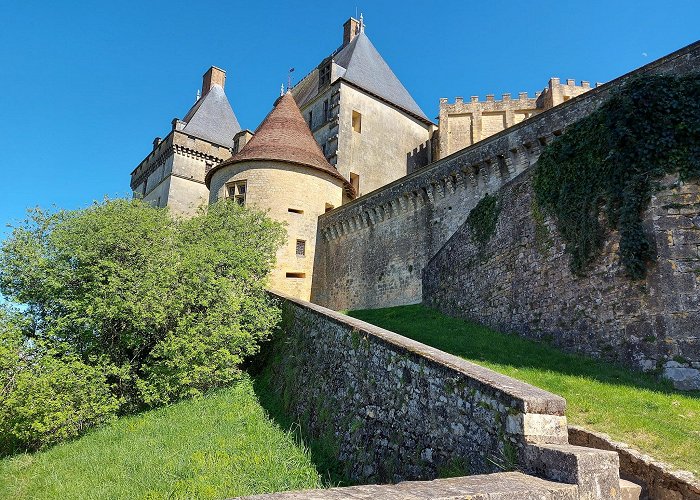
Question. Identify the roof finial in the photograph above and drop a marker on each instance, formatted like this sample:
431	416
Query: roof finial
362	24
289	78
199	94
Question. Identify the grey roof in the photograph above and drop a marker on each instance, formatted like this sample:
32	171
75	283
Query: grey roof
212	119
360	64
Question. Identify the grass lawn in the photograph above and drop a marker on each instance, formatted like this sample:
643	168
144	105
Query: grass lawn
630	406
218	446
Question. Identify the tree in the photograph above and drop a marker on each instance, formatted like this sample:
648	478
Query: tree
166	308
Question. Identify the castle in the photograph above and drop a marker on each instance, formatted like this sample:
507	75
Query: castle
377	199
347	128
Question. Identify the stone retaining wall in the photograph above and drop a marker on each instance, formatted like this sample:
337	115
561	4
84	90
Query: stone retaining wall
393	409
659	481
520	281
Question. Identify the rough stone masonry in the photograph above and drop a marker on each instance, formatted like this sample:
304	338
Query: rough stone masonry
392	409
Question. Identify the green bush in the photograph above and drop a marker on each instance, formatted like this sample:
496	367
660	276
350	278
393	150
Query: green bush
126	297
46	396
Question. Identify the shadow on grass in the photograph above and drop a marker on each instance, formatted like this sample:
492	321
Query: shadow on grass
476	342
323	452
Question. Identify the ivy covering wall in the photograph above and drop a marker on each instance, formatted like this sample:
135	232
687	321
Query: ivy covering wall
602	172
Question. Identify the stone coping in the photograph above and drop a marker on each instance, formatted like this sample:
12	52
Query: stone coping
503	485
659	478
531	399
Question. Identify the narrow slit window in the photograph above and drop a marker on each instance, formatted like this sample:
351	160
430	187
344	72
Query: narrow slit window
356	122
295	210
355	182
301	248
296	275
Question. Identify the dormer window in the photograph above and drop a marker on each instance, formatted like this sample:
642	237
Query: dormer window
324	74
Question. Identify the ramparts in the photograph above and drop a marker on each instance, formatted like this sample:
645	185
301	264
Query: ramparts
372	252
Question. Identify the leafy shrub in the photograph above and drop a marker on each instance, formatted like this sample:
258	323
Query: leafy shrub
151	307
46	397
602	172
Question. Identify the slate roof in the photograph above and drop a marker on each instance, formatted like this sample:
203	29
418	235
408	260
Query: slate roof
360	64
284	136
212	119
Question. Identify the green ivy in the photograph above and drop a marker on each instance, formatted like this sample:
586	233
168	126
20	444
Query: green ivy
601	174
482	219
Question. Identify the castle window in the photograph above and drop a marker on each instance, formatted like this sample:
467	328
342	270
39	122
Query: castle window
324	74
301	248
296	275
326	114
324	148
355	181
311	120
237	191
356	122
295	210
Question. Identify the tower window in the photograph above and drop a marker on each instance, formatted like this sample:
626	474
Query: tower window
311	120
296	275
237	191
326	114
355	182
324	74
301	248
295	210
356	122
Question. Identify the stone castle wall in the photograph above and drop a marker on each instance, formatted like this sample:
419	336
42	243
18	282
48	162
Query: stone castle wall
372	252
282	190
464	123
172	174
520	281
394	409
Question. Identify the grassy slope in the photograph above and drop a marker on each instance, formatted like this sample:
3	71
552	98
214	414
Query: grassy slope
632	407
218	446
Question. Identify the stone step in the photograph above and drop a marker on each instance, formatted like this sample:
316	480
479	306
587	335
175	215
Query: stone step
500	486
629	490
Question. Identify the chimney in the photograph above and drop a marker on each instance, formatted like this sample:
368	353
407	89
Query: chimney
215	76
351	29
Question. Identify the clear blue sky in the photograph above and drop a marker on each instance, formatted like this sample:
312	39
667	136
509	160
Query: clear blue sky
86	86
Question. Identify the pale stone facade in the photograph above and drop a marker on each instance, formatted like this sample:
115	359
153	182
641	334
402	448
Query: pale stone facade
283	190
465	123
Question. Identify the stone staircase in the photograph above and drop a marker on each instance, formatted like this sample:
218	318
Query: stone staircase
499	486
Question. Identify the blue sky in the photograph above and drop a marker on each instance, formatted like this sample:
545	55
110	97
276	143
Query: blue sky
85	87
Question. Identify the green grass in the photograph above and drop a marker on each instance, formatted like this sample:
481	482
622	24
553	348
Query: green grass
218	446
630	406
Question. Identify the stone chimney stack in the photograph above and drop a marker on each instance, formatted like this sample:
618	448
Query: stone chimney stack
351	29
215	76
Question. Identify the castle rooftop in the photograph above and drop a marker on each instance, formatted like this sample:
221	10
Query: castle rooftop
284	136
358	63
212	118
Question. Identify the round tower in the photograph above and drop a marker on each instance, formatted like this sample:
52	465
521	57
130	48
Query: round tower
282	170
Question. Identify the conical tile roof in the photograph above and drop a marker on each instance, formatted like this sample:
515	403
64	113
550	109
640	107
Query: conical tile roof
284	136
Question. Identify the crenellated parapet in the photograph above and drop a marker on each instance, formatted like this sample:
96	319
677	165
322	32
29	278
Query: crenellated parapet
463	123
